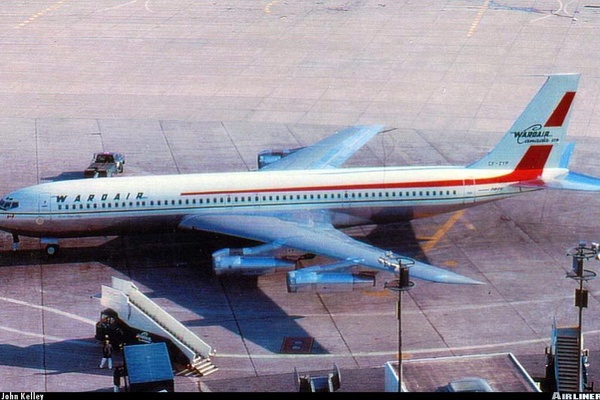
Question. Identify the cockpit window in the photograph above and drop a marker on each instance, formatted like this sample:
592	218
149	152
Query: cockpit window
8	204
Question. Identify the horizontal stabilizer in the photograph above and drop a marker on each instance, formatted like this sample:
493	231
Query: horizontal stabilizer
574	181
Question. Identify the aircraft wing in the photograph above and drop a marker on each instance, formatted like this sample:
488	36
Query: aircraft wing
330	152
313	236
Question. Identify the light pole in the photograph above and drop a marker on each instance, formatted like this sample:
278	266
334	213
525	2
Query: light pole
403	283
579	254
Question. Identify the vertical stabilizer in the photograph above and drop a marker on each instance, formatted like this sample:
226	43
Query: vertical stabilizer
540	130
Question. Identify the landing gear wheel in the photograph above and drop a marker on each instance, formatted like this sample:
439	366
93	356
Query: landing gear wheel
52	250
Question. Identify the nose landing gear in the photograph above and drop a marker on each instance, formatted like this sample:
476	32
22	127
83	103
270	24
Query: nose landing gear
15	246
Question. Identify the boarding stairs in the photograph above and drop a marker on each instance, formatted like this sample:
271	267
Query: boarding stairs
140	312
567	359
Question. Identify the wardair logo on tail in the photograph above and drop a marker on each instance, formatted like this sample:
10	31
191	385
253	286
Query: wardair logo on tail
534	134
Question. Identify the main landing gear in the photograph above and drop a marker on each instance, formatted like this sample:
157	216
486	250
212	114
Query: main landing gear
51	248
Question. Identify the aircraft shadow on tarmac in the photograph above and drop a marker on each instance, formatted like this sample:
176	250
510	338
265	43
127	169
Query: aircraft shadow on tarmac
145	257
80	356
57	357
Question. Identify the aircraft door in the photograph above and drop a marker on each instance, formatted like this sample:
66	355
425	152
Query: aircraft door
44	206
469	190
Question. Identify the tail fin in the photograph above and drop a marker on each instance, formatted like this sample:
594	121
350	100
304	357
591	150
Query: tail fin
537	139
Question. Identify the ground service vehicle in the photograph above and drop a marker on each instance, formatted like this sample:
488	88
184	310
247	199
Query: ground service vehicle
105	164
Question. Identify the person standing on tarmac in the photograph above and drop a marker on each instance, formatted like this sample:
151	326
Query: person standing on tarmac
117	375
106	354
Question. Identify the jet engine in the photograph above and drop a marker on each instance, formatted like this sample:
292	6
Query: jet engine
267	157
311	280
248	261
267	258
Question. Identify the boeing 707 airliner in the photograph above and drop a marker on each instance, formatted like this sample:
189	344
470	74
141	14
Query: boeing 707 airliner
303	199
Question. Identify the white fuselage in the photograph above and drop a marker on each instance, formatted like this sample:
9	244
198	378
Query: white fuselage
354	196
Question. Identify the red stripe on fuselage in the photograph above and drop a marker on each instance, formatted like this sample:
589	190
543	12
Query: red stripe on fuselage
529	168
560	112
